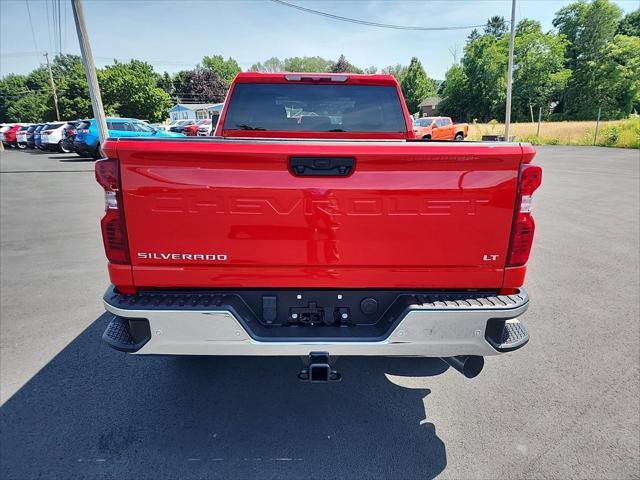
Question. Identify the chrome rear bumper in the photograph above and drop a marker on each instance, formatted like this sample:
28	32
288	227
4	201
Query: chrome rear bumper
433	329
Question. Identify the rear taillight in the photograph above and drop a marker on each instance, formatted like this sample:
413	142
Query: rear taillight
114	233
524	226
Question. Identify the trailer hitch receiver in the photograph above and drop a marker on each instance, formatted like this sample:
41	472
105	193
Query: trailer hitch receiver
319	368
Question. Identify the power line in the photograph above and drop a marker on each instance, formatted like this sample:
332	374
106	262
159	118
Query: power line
55	15
46	6
64	16
55	29
33	32
372	24
20	54
25	92
59	28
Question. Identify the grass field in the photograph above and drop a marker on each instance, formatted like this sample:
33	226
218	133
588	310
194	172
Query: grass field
617	133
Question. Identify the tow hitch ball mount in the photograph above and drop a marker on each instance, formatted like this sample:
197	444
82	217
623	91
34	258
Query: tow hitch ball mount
319	368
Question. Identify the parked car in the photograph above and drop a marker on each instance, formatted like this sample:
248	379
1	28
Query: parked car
9	135
86	142
193	129
287	237
31	131
21	137
3	128
440	128
207	129
180	124
37	136
52	136
68	136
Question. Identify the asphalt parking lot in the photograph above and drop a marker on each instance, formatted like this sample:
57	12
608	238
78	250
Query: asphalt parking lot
565	406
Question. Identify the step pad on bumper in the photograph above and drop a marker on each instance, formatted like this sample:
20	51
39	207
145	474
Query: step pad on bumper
507	335
127	335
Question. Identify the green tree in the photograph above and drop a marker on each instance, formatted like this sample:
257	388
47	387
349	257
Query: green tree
343	66
130	89
12	87
24	98
72	88
416	85
225	69
307	64
474	35
180	85
496	26
204	85
540	77
165	82
270	65
455	94
589	27
30	107
485	66
618	90
630	24
398	71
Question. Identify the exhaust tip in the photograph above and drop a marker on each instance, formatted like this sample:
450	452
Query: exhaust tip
468	365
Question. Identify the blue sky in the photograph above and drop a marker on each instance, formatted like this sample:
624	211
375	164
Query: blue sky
175	35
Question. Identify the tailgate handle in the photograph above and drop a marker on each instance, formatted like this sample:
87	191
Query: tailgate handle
321	166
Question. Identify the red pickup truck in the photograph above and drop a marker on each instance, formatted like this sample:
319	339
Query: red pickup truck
312	224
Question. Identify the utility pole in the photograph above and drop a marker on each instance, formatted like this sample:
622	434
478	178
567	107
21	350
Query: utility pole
90	70
507	116
539	120
595	136
53	86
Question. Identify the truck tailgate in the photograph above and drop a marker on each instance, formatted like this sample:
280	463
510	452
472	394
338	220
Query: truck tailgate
231	213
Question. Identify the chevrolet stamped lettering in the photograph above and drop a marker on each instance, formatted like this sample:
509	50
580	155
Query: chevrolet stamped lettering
309	206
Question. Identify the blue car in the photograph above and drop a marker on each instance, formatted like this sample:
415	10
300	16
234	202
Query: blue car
86	142
37	136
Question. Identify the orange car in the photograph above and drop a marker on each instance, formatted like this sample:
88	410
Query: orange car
440	128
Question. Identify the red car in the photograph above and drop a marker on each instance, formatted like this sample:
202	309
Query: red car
9	136
192	130
315	225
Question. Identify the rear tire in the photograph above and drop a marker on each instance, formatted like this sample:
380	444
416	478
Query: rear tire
427	138
22	147
459	137
97	154
61	149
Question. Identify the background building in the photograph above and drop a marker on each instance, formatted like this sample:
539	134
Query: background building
193	111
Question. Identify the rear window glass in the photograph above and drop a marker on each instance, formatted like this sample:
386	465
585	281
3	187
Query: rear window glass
423	122
54	125
84	125
142	127
315	108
